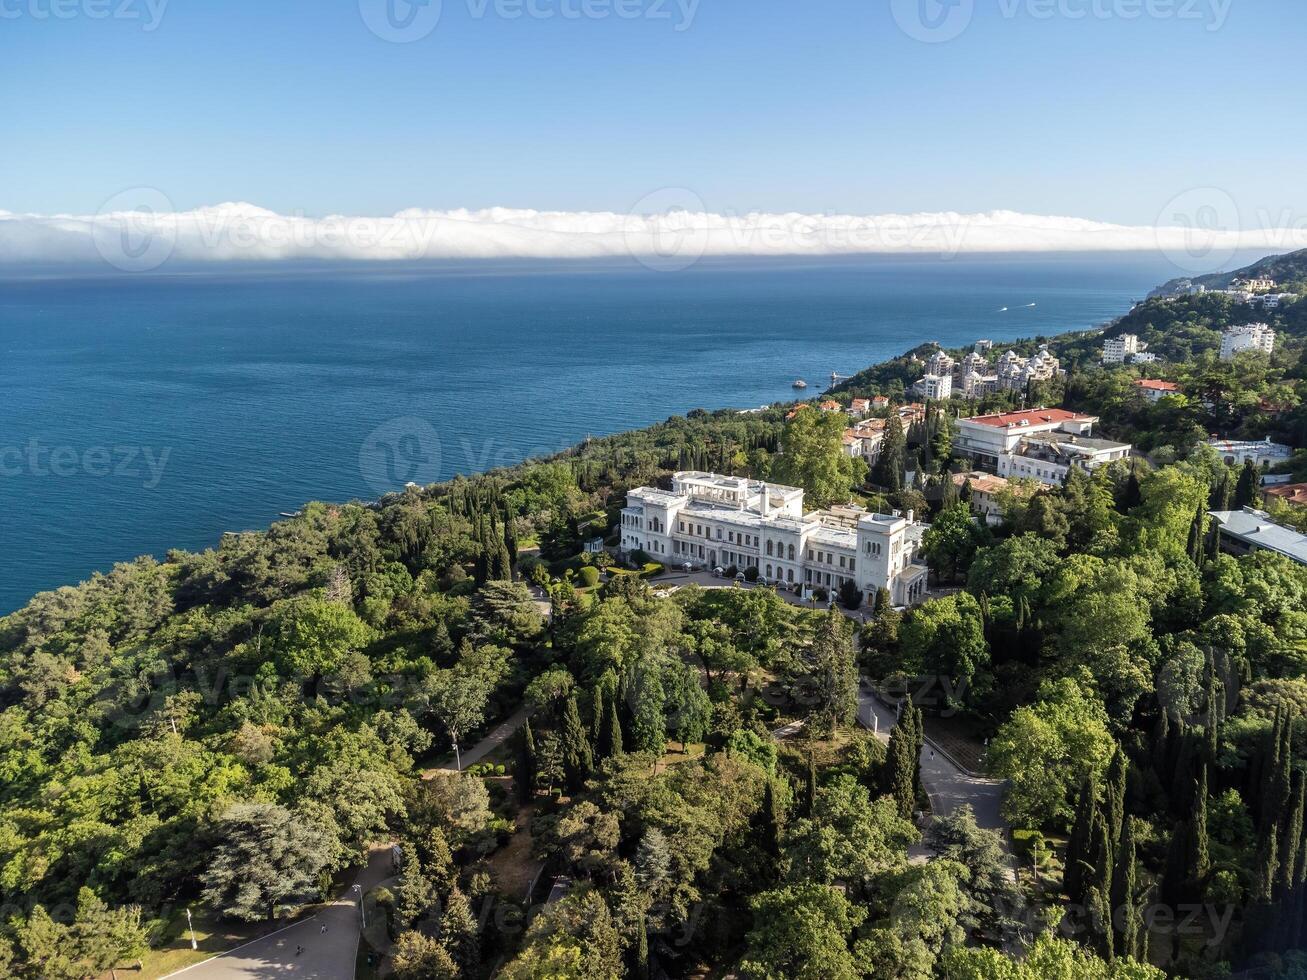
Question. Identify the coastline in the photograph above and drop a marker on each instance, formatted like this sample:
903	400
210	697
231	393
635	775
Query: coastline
283	484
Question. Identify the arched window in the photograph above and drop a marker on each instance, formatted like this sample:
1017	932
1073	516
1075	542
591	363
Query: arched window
791	552
769	571
789	575
769	548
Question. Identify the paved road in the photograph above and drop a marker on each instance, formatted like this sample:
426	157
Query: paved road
483	748
946	784
327	955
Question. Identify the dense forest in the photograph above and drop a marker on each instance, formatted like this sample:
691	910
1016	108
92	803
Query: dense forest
232	730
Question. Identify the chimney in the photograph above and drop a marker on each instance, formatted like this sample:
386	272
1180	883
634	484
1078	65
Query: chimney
765	500
909	515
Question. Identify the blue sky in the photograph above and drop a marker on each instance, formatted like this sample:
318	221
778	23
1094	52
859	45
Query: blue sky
804	105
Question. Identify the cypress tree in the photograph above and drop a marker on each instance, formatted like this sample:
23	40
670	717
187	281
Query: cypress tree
812	782
1211	723
578	761
597	713
1182	781
900	765
1132	496
771	822
1079	842
1125	914
1198	537
1175	873
526	765
1198	862
458	933
1291	838
1100	889
610	735
1245	491
1115	796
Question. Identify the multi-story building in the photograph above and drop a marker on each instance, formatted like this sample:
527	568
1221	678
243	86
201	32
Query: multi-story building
1049	456
860	408
713	521
977	385
1042	444
1117	349
863	441
936	387
940	363
1250	336
1254	284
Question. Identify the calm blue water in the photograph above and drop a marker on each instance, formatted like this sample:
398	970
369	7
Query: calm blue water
142	413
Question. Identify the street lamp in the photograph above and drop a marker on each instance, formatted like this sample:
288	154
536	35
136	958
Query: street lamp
191	928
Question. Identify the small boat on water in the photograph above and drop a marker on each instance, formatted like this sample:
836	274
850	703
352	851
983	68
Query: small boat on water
800	384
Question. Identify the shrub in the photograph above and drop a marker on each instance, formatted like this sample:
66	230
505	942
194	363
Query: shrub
732	572
589	576
820	594
751	573
850	594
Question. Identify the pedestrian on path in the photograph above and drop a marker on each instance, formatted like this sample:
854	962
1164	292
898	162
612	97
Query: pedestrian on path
323	929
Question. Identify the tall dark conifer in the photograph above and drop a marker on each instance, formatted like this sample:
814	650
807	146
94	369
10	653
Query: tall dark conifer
1197	862
578	761
1125	913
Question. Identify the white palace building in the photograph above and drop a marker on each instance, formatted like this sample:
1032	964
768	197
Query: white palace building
713	521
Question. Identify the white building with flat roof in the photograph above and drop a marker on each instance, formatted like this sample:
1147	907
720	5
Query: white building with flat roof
1117	349
1250	336
1262	452
936	387
712	521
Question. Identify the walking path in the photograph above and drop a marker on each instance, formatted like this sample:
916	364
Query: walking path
946	783
327	955
497	737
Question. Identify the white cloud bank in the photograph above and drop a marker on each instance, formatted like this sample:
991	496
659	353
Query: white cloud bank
139	231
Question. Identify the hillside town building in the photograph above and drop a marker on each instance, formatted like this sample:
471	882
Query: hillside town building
1262	453
1041	444
1250	336
711	521
1155	390
1242	532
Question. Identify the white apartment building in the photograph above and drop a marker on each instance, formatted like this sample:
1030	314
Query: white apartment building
1252	336
1049	456
713	521
1117	349
940	363
936	387
1041	444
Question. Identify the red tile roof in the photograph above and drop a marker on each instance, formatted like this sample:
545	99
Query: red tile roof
1290	493
1153	385
1037	416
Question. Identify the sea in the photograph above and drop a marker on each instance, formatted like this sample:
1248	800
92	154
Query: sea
145	412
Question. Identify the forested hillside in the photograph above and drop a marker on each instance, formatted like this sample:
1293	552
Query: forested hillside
231	730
